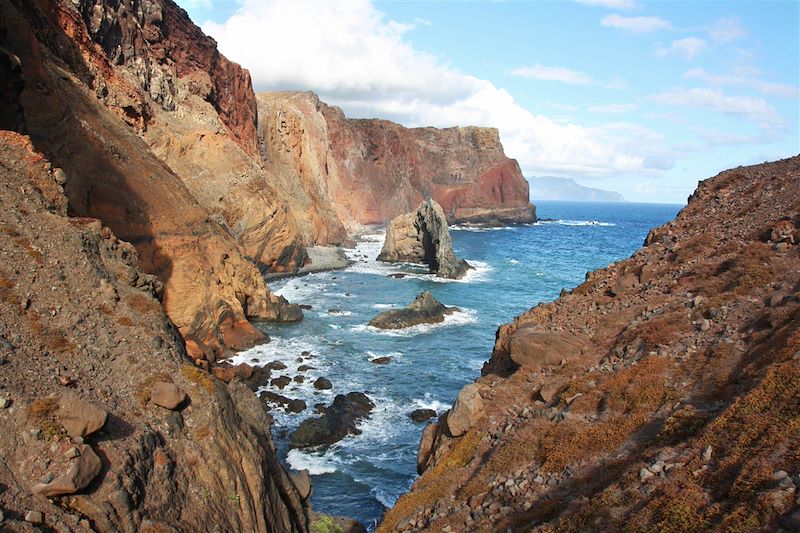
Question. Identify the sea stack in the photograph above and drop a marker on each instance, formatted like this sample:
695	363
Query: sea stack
422	237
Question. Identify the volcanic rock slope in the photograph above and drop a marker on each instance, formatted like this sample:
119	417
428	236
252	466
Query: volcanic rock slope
84	340
663	394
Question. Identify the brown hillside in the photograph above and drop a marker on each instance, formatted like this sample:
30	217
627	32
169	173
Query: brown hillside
663	394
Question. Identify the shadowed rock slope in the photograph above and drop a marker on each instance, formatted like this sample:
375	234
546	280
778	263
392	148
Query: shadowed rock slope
99	407
663	394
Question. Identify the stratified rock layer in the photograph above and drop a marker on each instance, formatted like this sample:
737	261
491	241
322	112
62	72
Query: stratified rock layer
422	236
662	394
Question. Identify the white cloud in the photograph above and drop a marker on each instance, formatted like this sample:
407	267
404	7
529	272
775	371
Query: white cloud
636	24
744	77
613	108
610	4
353	57
726	30
689	48
564	75
755	109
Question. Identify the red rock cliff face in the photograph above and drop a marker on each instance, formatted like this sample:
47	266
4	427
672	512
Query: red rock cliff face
369	171
90	109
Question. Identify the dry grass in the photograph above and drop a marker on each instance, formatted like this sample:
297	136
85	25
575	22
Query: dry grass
43	414
198	376
7	291
124	321
141	303
436	483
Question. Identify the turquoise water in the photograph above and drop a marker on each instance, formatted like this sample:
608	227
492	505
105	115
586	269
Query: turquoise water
516	267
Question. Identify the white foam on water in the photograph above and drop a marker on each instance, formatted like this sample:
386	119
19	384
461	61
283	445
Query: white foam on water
429	403
315	461
385	499
374	355
480	229
384	306
578	223
478	273
459	318
513	261
339	312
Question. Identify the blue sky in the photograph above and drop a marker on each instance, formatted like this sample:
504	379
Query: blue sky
643	98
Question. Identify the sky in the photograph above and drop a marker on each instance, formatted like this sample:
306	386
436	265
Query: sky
642	98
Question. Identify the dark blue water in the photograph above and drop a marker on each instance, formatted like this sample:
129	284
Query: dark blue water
516	268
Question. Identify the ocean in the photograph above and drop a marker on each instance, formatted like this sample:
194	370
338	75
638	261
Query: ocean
516	267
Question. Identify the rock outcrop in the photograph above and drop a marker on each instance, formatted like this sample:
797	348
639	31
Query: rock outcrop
425	309
83	344
355	172
422	236
662	392
337	421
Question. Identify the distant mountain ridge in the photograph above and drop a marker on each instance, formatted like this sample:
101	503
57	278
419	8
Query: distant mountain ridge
554	188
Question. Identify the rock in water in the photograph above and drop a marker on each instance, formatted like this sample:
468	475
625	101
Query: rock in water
336	422
425	309
423	237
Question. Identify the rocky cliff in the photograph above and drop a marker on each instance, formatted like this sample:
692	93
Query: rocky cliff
97	86
370	171
663	394
106	425
422	236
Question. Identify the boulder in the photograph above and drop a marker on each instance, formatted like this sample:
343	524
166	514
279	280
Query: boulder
322	384
167	395
276	365
466	410
423	237
78	471
296	406
386	359
425	309
243	370
534	349
258	378
337	421
302	482
421	415
280	381
223	373
80	418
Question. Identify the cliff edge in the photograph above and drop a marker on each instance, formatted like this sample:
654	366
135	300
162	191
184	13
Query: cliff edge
661	394
371	171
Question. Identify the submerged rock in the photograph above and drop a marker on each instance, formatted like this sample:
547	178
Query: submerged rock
425	309
423	237
337	421
421	415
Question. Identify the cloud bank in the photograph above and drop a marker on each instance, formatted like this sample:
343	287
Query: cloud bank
353	57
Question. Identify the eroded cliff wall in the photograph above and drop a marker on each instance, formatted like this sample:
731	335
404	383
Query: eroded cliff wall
95	109
370	171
